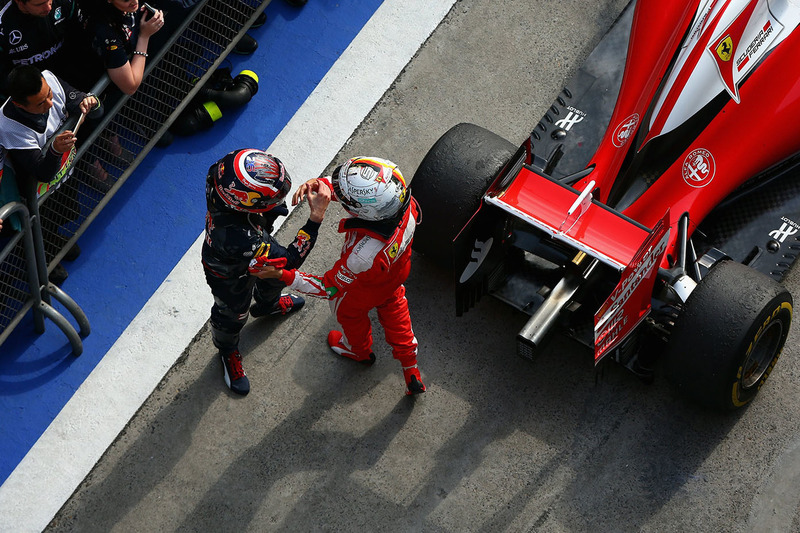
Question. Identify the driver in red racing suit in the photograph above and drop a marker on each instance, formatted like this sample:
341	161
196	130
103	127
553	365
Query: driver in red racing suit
374	264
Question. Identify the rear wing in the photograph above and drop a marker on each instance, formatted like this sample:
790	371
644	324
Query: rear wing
572	217
604	234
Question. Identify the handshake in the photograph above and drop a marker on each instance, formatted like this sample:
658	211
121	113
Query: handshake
263	267
318	195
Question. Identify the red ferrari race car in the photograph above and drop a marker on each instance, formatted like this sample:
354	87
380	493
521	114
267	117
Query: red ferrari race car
654	210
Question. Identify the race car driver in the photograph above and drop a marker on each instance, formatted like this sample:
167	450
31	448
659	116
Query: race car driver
48	34
374	264
245	192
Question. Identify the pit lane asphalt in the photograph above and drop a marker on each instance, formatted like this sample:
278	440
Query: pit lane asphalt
497	443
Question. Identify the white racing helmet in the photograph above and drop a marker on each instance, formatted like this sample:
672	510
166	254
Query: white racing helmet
370	188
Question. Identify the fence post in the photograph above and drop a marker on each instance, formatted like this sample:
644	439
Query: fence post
41	308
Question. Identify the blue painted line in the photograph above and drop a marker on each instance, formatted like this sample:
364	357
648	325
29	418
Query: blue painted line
155	217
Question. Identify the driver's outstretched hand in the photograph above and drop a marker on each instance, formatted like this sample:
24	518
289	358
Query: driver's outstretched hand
318	196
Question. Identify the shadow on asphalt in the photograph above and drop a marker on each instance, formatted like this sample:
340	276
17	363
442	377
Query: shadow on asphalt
512	442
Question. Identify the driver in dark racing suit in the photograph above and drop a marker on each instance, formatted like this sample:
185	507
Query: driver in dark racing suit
245	193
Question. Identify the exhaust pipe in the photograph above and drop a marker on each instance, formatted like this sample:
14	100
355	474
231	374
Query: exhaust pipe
532	336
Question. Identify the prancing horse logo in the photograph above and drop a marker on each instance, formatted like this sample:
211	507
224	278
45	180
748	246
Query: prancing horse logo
725	48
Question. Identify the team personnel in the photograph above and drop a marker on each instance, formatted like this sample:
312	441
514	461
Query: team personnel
120	32
39	104
48	34
245	192
374	264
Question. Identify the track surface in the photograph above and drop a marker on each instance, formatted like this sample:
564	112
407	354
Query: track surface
497	443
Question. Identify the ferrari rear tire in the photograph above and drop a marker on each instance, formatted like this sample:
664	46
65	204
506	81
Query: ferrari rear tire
729	336
449	185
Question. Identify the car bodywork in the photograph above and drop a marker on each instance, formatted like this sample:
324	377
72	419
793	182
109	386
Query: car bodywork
674	147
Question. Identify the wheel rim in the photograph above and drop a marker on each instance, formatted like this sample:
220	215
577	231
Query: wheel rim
762	354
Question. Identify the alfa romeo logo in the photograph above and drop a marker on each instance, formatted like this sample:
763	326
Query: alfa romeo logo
625	130
699	168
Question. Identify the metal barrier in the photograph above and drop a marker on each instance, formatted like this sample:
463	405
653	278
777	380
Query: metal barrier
130	128
28	292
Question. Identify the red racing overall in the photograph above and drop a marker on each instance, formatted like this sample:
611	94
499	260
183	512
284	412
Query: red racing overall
375	262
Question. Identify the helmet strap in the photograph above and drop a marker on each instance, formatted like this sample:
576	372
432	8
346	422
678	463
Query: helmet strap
384	228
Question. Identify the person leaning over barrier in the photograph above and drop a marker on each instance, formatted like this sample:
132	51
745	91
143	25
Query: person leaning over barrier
48	34
374	265
121	31
245	192
38	105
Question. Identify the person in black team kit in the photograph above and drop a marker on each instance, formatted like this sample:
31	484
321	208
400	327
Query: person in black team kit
245	192
120	31
48	34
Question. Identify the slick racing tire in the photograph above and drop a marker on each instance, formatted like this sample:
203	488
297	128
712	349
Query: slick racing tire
729	336
449	185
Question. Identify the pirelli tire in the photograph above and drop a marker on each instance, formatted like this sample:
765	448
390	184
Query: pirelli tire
449	184
725	343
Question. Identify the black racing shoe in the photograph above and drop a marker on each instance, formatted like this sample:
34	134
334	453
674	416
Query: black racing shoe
233	372
246	46
287	303
73	253
59	275
165	140
260	20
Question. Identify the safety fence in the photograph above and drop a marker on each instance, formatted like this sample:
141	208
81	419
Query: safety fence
129	129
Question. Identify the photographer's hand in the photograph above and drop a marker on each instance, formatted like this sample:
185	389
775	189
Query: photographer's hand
64	142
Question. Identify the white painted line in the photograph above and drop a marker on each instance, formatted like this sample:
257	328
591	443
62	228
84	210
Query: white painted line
136	363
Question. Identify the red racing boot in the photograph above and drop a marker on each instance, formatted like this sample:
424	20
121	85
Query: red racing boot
338	345
287	303
414	384
235	377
